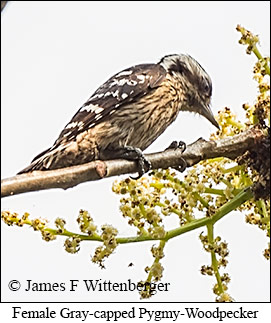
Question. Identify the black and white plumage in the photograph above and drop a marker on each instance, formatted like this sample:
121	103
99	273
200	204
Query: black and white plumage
129	111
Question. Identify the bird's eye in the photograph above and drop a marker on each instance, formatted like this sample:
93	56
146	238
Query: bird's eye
207	88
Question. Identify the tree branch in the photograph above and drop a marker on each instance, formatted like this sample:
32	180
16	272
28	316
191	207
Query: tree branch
230	147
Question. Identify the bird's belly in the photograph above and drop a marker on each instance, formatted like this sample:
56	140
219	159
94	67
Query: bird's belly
140	130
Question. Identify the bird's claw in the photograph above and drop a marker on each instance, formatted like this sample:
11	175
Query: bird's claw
177	145
143	165
129	153
182	146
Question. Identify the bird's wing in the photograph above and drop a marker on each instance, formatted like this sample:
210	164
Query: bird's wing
121	89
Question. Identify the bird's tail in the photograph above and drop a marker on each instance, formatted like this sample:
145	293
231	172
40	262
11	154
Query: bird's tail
42	161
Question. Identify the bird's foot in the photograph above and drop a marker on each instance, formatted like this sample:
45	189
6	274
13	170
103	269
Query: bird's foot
182	146
135	154
131	153
177	145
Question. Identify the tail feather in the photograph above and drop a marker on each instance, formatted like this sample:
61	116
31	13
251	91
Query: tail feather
60	156
41	154
42	161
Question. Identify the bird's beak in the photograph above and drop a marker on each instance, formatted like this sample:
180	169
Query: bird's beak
208	114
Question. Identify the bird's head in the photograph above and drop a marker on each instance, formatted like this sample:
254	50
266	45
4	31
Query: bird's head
195	82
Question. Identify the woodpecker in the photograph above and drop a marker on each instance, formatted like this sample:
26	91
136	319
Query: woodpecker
129	112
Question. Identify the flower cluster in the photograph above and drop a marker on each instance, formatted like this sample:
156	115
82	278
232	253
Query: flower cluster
256	162
247	38
86	223
259	214
202	191
60	223
205	188
219	249
13	218
109	245
224	298
72	245
229	125
258	115
140	205
155	272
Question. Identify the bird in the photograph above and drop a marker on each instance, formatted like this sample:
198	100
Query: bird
127	113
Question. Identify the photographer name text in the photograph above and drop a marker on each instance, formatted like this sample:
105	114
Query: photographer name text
96	285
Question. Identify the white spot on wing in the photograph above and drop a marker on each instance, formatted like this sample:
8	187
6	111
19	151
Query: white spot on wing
75	124
71	125
132	82
90	108
124	95
80	125
141	78
115	94
122	82
97	96
124	73
99	110
98	116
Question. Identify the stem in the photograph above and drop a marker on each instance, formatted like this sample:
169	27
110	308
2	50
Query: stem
173	210
156	260
240	198
232	169
259	56
244	178
215	191
142	209
210	230
186	228
66	233
201	199
262	208
226	182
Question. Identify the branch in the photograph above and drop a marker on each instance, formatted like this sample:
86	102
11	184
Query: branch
64	178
